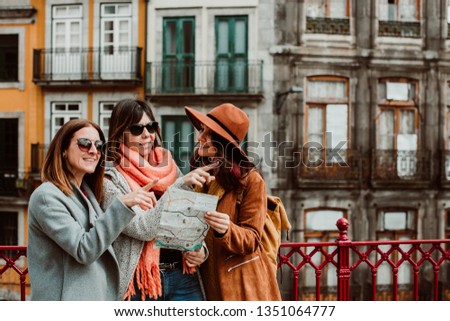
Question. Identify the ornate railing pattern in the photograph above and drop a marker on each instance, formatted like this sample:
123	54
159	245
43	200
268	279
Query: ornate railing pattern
10	255
332	26
347	256
402	29
329	164
17	184
397	165
343	255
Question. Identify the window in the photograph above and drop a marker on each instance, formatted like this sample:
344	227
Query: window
9	229
327	8
178	134
116	31
105	110
67	59
62	112
447	135
327	116
395	224
9	57
328	17
9	156
399	18
320	226
178	54
397	123
231	54
400	10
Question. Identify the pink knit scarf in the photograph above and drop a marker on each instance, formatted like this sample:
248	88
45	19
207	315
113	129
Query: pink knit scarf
138	172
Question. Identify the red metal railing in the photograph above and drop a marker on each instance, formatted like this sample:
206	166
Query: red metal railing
343	255
10	263
346	256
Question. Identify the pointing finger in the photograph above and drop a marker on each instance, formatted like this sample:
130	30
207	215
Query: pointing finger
150	185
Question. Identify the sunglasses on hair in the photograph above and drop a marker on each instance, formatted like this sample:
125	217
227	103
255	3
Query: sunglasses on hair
85	144
137	129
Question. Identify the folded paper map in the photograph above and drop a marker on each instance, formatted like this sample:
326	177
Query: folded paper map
182	226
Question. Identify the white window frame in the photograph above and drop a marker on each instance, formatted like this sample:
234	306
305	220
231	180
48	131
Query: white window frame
104	114
334	101
65	114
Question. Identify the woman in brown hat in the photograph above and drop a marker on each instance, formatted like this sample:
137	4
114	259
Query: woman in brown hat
237	267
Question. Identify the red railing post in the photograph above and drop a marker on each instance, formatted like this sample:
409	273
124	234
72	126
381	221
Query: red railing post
343	270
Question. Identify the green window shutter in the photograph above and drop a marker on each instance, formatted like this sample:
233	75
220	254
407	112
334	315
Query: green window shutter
231	54
178	54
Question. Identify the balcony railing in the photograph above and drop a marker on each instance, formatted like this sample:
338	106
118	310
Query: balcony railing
352	264
17	184
11	261
341	270
87	66
401	166
400	29
330	166
331	26
204	78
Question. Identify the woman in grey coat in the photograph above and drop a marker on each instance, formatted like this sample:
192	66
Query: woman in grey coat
70	256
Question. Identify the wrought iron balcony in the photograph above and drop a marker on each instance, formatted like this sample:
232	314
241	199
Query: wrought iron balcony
331	26
17	184
400	29
204	78
87	66
401	167
329	168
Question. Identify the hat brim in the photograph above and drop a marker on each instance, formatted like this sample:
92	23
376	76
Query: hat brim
197	118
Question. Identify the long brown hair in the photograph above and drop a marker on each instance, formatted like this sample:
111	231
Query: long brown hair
55	168
233	166
126	113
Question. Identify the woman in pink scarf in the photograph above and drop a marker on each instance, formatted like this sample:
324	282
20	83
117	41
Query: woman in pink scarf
134	147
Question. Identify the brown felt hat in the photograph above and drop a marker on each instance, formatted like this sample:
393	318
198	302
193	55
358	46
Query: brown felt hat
226	120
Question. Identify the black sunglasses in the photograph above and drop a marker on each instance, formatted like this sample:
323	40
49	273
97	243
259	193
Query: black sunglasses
85	144
137	129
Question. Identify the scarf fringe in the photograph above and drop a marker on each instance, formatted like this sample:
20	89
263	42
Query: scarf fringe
146	275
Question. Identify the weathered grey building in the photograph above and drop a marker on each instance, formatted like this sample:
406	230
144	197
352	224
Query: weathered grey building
369	137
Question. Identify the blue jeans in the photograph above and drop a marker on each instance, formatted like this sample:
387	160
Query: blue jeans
176	286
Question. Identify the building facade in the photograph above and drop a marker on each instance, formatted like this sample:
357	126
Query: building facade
203	53
368	137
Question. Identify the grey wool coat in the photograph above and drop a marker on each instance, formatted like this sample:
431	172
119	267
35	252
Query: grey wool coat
70	256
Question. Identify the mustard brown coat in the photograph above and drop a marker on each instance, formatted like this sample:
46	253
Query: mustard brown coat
237	268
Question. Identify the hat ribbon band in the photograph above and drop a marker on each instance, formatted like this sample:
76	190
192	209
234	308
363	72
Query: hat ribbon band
224	127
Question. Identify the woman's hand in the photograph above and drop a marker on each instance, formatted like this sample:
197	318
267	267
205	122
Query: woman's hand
195	258
199	176
219	222
141	197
